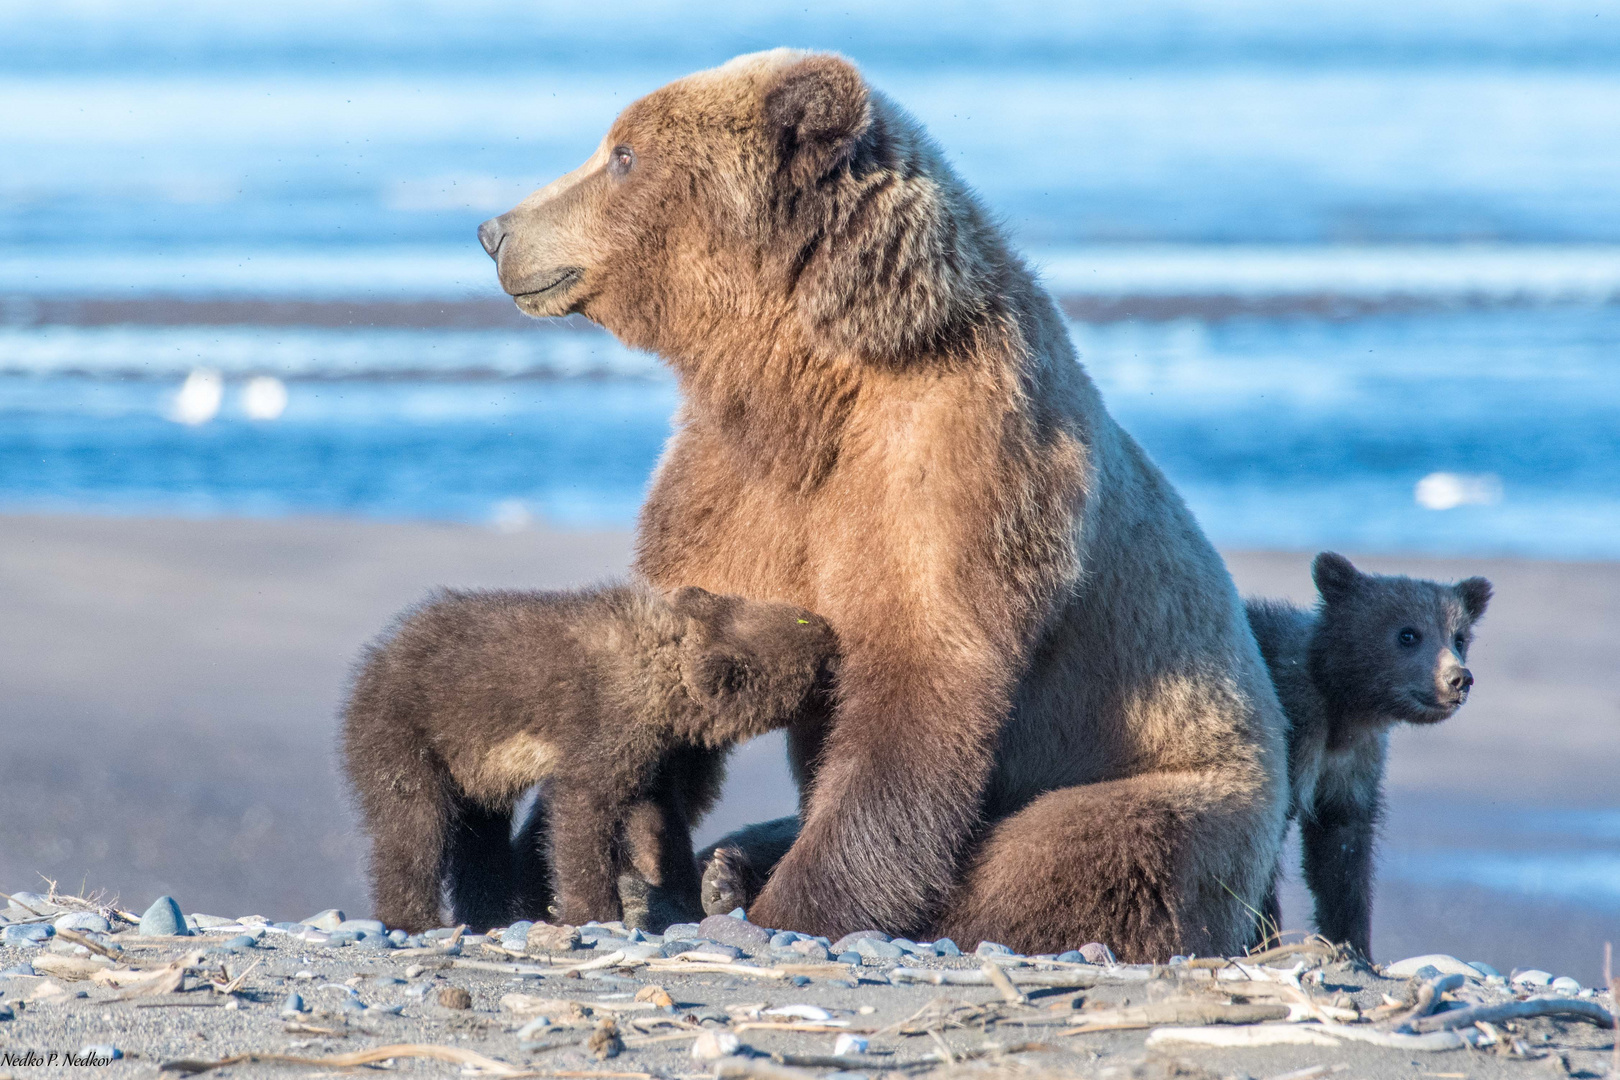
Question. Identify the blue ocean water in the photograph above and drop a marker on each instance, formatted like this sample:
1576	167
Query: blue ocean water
1372	253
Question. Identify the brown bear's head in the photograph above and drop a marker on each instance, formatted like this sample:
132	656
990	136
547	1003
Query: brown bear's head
774	199
1393	648
754	666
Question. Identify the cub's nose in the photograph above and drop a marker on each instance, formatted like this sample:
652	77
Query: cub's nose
490	234
1459	681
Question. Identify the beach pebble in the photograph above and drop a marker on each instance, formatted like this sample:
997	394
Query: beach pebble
849	956
163	919
330	919
1412	967
515	938
292	1005
783	939
713	1045
237	943
34	902
946	947
399	937
6	1013
849	1044
208	922
1533	977
878	949
26	970
1073	956
83	920
681	930
99	1052
1095	952
546	938
813	951
534	1027
676	948
730	930
454	997
1485	969
799	980
28	935
1566	985
847	942
991	948
366	926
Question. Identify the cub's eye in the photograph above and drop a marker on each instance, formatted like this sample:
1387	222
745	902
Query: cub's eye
621	160
1461	643
1409	637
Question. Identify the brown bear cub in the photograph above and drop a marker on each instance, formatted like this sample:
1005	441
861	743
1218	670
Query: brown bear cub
1378	650
623	703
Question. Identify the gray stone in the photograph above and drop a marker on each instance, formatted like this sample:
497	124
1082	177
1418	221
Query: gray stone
878	949
914	948
1566	985
1485	969
163	919
292	1005
992	948
28	935
1073	956
23	969
729	930
398	937
368	926
946	947
33	901
799	980
208	922
847	942
681	931
676	948
6	1013
83	921
1533	977
849	957
783	938
330	919
239	942
640	950
1095	952
1440	962
810	950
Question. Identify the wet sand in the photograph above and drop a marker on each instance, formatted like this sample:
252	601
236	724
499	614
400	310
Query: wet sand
168	693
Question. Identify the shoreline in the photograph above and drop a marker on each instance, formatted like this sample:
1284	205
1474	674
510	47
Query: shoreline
173	685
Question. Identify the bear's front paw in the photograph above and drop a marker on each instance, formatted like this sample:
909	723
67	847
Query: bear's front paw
729	882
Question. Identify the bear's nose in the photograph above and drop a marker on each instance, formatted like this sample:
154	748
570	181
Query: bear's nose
1460	680
490	235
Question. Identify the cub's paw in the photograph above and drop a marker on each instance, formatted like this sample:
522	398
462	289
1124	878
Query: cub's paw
729	882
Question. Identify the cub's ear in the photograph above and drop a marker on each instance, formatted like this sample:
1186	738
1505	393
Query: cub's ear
1334	575
818	107
694	602
717	675
1475	593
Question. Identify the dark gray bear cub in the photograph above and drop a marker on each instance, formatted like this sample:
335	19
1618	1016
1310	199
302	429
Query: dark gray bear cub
623	703
1377	651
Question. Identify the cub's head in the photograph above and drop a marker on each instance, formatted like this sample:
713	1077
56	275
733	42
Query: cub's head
774	196
755	666
1390	647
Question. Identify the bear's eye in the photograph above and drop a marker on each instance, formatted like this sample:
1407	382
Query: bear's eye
1462	643
1409	636
621	160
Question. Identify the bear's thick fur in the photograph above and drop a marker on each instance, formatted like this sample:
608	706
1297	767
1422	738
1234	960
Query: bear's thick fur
884	421
623	702
1378	650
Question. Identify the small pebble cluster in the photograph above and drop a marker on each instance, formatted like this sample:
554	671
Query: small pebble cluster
96	983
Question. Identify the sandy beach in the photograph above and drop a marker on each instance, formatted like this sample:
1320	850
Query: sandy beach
170	689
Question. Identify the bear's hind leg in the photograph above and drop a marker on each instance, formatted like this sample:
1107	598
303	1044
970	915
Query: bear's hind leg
480	866
1151	866
531	856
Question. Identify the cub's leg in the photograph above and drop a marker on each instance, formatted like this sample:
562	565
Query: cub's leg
585	852
736	867
658	846
1151	866
406	803
480	866
1337	850
531	861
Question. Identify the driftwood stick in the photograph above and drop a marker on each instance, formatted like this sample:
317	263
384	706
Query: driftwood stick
936	977
1428	998
453	1054
1516	1010
1188	1013
1309	1035
998	979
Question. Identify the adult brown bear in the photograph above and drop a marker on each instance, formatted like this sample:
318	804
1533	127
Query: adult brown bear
884	421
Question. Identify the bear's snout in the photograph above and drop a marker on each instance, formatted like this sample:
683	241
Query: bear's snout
490	235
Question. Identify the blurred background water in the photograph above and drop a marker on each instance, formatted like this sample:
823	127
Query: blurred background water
1350	272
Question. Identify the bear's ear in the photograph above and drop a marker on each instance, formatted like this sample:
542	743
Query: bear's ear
1334	575
1475	593
817	108
694	602
717	675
